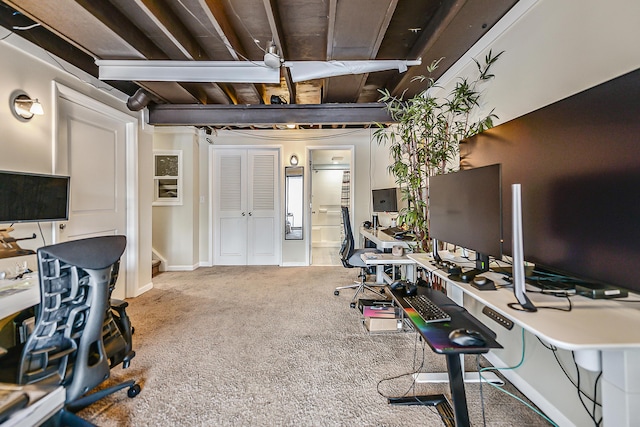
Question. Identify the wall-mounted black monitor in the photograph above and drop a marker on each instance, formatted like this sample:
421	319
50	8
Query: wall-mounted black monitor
28	197
578	161
465	209
385	200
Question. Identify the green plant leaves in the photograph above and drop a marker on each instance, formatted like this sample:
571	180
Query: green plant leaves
426	137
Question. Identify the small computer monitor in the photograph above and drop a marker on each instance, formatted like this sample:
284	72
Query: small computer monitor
385	200
465	209
26	197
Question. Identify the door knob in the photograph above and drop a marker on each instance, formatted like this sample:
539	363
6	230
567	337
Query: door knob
243	214
250	214
62	226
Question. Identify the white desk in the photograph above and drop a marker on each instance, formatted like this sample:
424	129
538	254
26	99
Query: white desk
45	403
603	334
17	295
383	240
382	259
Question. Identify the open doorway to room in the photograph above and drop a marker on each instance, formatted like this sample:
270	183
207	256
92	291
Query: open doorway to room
330	183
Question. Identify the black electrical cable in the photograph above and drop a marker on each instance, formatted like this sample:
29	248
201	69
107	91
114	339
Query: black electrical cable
581	393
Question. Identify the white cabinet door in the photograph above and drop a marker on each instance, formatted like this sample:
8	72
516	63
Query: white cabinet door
246	207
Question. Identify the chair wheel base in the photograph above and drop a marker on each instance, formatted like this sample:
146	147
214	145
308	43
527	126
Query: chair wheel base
133	391
336	293
352	305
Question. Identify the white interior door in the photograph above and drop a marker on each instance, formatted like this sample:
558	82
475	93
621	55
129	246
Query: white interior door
246	207
91	150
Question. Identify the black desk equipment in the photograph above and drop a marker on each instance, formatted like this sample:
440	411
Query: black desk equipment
436	334
351	257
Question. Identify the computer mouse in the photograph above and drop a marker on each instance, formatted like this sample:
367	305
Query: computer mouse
410	290
467	338
479	280
467	276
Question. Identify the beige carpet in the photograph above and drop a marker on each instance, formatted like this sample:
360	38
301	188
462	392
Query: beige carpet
270	346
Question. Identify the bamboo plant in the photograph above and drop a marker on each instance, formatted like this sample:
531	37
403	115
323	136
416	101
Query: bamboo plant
425	140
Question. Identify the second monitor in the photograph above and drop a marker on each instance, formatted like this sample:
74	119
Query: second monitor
385	200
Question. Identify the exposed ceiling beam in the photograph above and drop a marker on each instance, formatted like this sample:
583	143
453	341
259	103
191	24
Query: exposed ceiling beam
244	115
172	28
122	26
216	14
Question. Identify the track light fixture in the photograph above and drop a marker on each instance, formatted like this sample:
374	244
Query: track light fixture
24	107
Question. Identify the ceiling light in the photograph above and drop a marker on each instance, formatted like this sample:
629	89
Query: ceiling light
293	160
24	107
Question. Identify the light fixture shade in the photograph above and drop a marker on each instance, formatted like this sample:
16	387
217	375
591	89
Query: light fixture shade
24	107
309	70
36	108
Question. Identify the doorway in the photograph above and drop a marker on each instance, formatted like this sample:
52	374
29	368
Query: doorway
330	183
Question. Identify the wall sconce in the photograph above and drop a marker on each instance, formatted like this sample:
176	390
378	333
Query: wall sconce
293	160
24	107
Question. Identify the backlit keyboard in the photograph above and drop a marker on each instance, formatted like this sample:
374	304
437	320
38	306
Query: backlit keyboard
426	308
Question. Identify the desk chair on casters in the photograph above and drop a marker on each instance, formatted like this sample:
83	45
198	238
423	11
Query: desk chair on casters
67	346
351	258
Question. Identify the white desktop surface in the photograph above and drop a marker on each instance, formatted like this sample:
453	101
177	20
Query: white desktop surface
28	295
49	401
382	239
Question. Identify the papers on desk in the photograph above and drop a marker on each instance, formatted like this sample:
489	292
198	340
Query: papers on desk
371	255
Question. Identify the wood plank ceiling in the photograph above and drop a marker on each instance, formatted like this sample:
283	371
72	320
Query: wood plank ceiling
81	31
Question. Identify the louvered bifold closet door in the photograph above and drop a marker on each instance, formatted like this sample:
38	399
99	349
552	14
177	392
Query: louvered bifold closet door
246	207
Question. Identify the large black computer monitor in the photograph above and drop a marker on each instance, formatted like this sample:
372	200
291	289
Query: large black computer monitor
385	200
465	209
28	197
579	168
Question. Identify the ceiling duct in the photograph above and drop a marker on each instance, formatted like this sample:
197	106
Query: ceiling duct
139	100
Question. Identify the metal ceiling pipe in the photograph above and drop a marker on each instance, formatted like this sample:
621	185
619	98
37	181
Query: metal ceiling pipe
139	100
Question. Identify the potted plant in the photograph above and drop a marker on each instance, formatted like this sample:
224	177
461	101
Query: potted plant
425	140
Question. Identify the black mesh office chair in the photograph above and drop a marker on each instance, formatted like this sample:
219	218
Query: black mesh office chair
351	258
67	346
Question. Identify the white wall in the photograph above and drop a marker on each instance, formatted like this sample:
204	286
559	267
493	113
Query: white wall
28	146
176	229
552	50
